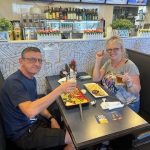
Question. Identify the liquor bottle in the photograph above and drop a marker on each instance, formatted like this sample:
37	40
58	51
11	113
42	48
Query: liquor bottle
84	14
53	13
77	14
56	13
17	31
87	14
50	14
80	16
65	13
60	13
103	24
46	13
96	14
69	14
74	14
92	14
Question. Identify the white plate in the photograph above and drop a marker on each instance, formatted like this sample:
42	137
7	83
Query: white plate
95	90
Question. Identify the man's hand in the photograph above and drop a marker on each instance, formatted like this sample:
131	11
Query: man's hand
68	86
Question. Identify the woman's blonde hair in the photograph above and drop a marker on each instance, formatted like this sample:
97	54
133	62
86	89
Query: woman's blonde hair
118	40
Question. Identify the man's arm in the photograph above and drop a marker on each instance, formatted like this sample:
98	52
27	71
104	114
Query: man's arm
45	113
54	124
31	109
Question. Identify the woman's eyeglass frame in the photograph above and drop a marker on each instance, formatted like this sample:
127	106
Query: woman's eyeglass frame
116	49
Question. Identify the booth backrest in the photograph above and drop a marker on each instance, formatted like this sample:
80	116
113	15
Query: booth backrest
143	63
2	136
1	80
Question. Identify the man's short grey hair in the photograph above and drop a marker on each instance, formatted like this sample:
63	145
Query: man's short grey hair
30	49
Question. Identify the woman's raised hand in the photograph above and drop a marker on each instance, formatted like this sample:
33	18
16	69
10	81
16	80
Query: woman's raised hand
100	55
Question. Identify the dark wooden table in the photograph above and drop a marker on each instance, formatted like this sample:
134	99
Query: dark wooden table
87	132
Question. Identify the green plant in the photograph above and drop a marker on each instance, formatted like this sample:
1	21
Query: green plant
5	25
122	24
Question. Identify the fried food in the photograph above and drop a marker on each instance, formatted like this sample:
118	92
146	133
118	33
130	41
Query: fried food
74	98
95	89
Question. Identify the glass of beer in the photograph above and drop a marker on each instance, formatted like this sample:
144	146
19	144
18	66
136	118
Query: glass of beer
119	79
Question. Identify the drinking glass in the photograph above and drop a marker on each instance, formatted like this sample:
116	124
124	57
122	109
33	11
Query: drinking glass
119	79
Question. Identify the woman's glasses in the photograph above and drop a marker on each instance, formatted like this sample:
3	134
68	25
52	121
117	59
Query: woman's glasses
112	49
34	60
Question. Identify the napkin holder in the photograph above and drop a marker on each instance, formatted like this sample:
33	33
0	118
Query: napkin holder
65	72
62	73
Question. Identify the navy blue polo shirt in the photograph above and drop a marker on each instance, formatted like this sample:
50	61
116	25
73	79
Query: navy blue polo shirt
17	89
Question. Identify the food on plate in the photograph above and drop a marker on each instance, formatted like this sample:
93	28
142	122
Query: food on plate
74	98
95	90
83	91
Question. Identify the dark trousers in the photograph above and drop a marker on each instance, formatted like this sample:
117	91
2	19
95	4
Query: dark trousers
40	136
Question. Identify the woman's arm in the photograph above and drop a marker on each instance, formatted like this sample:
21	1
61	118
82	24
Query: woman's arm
97	72
132	82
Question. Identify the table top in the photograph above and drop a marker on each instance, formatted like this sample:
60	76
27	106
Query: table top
87	131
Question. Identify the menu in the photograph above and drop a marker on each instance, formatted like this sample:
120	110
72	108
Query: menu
66	0
93	1
116	1
137	2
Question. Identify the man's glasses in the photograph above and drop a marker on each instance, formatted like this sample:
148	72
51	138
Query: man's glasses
112	49
34	60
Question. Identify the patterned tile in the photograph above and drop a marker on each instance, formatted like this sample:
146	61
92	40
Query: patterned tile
82	51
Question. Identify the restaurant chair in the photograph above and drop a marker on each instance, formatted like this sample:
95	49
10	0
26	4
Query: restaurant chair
2	137
4	144
142	60
141	140
1	80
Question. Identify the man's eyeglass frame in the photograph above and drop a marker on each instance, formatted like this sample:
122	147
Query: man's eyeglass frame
33	60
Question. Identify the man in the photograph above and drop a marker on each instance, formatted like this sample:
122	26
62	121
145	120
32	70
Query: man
20	107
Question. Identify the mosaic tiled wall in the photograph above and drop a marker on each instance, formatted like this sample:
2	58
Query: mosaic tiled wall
59	54
138	44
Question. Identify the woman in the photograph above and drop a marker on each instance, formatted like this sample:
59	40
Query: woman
128	88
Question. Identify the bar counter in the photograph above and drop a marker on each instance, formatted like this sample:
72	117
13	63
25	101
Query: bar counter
57	53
